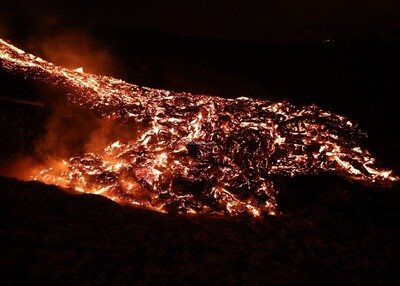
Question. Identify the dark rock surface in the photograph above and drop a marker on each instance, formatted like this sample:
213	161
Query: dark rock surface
332	233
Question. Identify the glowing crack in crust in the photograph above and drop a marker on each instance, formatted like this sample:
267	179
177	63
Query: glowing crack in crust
196	153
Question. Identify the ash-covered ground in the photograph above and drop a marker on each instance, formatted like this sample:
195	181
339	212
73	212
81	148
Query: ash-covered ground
330	231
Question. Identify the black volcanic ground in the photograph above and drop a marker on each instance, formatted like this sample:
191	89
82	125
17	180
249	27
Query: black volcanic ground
331	231
336	233
339	233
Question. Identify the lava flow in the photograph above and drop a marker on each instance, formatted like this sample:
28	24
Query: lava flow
197	153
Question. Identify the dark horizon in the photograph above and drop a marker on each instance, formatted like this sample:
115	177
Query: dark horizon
261	21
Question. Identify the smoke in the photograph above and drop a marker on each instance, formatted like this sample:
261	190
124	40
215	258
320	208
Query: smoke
75	49
62	42
23	167
69	130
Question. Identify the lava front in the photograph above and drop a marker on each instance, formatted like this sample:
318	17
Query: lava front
196	153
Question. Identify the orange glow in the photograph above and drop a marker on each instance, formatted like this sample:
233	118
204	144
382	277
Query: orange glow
196	153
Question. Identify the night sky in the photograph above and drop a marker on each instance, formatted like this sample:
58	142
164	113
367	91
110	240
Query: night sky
271	21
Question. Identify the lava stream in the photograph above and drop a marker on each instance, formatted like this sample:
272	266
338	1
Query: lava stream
197	153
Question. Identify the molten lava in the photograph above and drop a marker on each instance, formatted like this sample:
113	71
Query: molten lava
197	153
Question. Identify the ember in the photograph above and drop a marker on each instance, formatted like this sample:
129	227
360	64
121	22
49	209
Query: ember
197	153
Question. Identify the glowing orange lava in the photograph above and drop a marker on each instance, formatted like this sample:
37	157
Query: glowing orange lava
197	153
